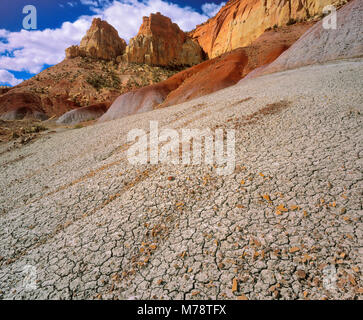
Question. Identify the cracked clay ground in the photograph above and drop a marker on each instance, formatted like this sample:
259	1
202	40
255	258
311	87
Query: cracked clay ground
286	224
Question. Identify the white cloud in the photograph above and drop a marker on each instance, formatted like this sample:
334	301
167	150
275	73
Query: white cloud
89	2
126	15
211	9
30	50
96	3
8	78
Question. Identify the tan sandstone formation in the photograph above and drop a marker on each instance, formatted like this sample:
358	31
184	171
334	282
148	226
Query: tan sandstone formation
161	42
207	77
320	45
240	22
101	42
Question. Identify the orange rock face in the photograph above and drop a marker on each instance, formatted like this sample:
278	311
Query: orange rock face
319	45
204	78
208	76
240	22
211	76
161	42
101	42
228	69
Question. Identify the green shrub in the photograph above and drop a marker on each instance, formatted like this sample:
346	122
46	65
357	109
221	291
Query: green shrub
291	21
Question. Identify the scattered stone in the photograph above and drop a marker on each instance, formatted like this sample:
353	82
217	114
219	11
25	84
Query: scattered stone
294	249
234	285
301	275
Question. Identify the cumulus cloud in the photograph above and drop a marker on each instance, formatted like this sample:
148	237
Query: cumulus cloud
30	51
96	3
7	78
211	9
126	15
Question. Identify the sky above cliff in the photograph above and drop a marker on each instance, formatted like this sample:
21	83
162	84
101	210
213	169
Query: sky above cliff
62	23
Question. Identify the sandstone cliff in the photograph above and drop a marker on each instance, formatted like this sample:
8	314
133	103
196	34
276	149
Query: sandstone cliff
240	22
319	45
161	42
227	69
101	42
209	76
89	76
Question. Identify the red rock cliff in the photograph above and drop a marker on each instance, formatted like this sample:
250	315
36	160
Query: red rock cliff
240	22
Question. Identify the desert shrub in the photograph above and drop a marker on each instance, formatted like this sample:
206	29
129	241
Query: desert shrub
34	129
97	81
110	80
115	80
131	83
291	21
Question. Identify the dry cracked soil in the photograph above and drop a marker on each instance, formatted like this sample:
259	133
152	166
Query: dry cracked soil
78	221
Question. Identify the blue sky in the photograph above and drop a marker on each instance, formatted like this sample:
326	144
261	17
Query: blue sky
61	23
